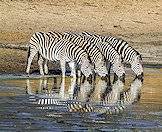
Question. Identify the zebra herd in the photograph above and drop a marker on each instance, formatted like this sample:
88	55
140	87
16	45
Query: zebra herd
87	51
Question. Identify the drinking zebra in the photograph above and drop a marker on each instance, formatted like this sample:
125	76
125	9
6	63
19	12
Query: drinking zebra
109	54
55	49
96	57
128	53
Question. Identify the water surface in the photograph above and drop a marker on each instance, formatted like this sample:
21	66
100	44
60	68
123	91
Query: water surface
52	103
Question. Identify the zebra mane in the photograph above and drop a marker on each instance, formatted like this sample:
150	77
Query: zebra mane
75	35
71	34
86	33
55	34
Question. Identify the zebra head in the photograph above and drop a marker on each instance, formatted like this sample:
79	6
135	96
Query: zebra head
118	67
100	67
86	66
136	66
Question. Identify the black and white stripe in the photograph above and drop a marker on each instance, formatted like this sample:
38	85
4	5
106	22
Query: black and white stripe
110	54
128	53
96	57
56	49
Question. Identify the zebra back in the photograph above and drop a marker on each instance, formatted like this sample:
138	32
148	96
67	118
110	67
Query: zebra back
55	34
122	47
105	48
85	43
98	50
50	47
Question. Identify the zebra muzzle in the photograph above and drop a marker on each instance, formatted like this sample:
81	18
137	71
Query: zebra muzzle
140	76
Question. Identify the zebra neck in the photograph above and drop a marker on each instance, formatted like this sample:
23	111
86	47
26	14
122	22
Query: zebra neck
130	57
108	51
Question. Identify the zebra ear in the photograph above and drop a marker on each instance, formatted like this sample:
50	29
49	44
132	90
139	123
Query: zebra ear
140	57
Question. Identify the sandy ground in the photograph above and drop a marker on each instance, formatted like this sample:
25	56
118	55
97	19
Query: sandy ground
137	21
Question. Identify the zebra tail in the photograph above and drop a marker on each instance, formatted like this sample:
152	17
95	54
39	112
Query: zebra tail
28	54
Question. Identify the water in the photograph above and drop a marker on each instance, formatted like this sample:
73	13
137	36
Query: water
51	103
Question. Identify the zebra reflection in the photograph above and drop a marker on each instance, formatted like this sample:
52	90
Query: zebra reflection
106	98
133	94
44	94
94	98
55	94
99	96
113	96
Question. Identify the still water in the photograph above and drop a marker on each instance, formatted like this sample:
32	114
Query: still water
54	104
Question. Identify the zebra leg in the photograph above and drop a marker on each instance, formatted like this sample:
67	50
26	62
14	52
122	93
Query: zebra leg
73	70
40	63
45	66
31	54
79	73
63	67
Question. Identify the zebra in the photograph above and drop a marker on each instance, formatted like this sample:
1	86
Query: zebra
56	49
128	53
109	53
96	57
